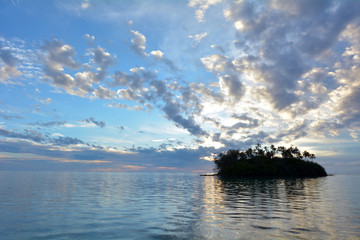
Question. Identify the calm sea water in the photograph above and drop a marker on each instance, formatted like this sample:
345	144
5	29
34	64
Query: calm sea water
58	205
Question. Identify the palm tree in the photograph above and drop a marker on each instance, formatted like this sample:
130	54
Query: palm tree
306	154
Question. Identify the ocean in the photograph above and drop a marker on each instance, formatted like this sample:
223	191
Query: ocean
100	205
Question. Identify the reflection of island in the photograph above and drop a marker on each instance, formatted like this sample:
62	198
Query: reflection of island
263	207
268	162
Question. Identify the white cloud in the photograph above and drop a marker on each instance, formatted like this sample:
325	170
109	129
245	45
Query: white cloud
157	53
138	43
201	7
198	37
217	63
7	72
134	108
85	4
89	39
239	25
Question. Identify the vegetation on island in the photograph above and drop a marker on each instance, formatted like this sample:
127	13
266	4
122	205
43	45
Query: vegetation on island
268	162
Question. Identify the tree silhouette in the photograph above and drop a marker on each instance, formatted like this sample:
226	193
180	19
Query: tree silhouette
266	161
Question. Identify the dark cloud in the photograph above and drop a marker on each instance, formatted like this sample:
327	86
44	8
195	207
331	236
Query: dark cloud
318	37
38	137
191	101
292	133
65	141
170	64
245	122
104	93
9	117
136	79
27	134
159	93
8	65
158	57
49	124
172	111
59	53
59	78
103	58
57	56
233	86
93	121
207	92
183	159
8	58
223	67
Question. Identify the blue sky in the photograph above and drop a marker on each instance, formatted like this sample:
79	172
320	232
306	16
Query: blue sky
165	85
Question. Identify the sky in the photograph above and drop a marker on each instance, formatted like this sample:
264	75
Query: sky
164	86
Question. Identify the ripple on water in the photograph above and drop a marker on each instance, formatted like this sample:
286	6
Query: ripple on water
176	206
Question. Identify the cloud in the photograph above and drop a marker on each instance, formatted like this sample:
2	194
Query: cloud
283	75
138	43
101	158
61	54
39	138
226	71
9	117
28	134
232	86
84	81
8	63
202	6
208	92
135	79
172	111
58	56
8	58
85	4
197	38
296	131
157	54
103	58
159	57
65	141
143	86
49	124
245	122
134	108
286	48
93	121
89	39
218	63
104	93
87	83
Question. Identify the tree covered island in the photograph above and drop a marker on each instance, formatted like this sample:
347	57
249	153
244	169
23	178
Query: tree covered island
268	162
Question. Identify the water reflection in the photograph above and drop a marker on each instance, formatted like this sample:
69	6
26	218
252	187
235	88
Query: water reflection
264	207
176	206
